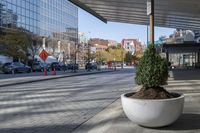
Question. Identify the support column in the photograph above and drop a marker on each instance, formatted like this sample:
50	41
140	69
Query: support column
147	34
152	23
167	55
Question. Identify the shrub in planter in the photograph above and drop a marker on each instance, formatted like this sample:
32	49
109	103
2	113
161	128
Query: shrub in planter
151	73
152	105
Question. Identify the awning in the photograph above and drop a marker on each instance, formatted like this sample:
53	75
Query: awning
182	14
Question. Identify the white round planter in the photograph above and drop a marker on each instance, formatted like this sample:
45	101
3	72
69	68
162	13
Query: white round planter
152	113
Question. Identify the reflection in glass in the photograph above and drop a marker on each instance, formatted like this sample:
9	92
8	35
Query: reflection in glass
56	20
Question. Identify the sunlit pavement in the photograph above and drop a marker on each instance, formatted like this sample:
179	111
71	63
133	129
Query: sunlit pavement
88	104
113	120
60	105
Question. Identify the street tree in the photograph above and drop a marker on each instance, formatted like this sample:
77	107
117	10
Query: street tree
14	43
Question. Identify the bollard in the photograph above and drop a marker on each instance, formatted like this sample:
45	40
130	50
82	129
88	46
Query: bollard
54	71
45	72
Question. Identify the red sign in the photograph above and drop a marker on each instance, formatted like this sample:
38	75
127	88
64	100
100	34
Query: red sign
43	55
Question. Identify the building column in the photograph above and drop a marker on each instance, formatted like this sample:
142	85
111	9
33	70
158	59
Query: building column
167	55
43	43
59	47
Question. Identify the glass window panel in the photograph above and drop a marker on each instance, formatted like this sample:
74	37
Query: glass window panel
18	2
31	28
14	8
19	10
31	22
9	6
14	2
23	11
27	13
23	4
28	27
27	22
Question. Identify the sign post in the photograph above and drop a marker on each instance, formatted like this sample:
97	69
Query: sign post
150	12
44	55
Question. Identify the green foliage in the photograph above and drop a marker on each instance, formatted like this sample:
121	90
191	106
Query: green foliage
111	53
128	57
152	70
14	43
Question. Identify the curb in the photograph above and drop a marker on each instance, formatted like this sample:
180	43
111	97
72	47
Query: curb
51	78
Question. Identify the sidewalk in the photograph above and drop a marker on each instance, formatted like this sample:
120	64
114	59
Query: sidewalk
113	120
29	79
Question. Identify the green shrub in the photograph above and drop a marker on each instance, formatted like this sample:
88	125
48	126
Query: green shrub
152	70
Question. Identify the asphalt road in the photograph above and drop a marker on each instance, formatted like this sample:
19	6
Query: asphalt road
60	105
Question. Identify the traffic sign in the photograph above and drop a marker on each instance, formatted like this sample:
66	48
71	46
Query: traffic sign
149	7
43	55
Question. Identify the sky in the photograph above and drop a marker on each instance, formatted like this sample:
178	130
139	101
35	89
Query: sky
95	28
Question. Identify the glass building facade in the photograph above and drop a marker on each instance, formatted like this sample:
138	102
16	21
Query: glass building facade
54	20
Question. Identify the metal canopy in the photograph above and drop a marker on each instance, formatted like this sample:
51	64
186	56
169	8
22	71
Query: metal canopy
182	14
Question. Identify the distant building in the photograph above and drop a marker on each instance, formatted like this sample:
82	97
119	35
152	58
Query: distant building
132	45
112	43
100	44
182	36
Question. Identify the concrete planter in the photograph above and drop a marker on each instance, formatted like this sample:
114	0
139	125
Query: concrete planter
152	113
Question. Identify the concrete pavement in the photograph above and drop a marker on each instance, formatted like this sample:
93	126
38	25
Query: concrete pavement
113	119
41	109
60	105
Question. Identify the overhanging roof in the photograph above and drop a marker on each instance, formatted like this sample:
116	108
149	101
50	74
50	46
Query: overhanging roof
183	14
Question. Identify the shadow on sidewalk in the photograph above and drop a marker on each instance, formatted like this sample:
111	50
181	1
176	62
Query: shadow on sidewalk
185	122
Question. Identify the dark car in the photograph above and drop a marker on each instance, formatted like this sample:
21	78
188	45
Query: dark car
63	66
56	66
72	66
91	66
39	66
15	67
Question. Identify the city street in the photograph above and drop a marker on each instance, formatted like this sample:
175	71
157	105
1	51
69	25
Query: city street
8	76
60	105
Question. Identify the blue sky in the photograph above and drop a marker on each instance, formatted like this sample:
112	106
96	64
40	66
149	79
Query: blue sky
95	28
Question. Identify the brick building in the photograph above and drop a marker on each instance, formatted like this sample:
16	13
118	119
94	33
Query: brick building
100	44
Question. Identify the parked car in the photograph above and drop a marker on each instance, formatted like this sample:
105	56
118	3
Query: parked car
56	66
91	66
45	65
15	67
63	66
39	66
72	66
